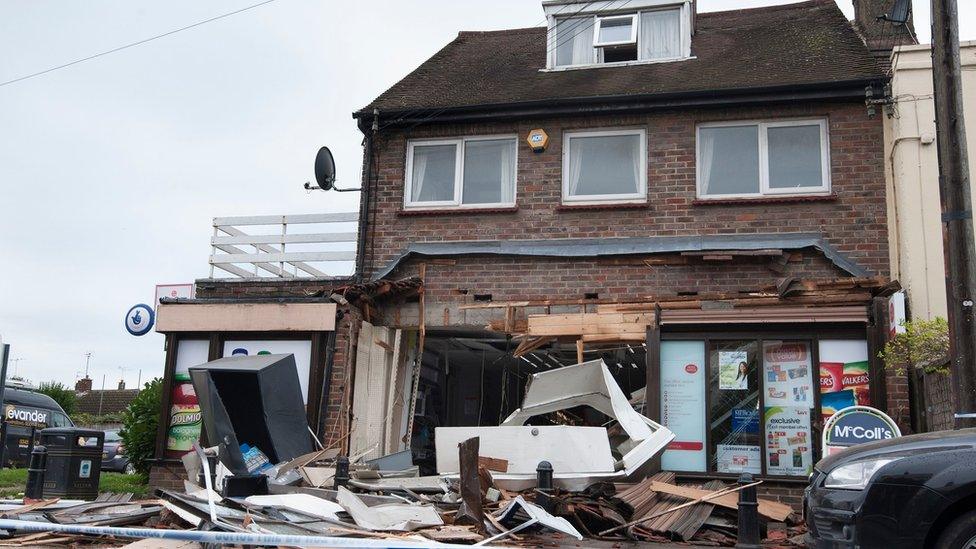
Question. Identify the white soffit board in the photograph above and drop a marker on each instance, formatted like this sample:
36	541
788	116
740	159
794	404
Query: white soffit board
245	317
567	448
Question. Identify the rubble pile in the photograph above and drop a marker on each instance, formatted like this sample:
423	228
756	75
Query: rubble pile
507	485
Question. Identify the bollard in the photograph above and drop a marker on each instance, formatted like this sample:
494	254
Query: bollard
342	472
543	495
748	515
35	474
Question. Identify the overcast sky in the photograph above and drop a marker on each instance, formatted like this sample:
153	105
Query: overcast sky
111	170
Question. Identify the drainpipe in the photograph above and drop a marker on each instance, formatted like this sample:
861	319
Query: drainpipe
366	194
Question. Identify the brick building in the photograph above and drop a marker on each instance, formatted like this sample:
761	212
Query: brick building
698	199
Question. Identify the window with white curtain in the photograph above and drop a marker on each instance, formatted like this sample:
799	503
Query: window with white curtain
643	35
745	159
605	166
660	35
573	41
470	171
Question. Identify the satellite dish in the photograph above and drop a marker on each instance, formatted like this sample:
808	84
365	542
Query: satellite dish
325	170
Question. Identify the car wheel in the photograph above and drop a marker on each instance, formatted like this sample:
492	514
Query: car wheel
129	469
960	534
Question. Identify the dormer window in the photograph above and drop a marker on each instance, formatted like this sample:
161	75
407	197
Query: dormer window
657	30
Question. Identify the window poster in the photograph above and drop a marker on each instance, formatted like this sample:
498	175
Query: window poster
683	404
734	458
733	370
844	377
789	446
788	375
301	348
184	416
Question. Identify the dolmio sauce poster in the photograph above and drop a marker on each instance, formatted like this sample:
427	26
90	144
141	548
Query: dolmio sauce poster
844	377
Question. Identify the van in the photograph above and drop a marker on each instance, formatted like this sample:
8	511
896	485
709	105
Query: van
25	413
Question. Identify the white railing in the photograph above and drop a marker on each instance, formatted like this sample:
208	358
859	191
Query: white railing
276	252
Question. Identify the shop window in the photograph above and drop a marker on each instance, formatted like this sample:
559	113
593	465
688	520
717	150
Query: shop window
755	405
733	403
788	399
683	404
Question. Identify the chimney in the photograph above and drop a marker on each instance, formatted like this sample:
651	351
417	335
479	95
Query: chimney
121	384
880	35
83	385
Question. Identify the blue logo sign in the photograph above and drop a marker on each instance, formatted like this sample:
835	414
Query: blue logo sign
745	420
859	424
139	320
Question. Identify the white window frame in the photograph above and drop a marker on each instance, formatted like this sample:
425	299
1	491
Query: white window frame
633	198
763	144
613	8
455	203
634	21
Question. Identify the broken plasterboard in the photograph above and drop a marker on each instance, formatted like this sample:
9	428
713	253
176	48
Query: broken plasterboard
585	384
399	517
303	503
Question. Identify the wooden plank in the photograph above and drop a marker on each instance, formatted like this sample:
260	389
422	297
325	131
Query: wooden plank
298	219
394	399
772	510
359	435
312	238
493	464
281	257
579	351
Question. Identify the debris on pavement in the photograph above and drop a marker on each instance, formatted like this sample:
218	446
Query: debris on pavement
496	487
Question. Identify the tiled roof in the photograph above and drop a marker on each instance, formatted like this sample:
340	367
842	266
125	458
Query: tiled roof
791	45
112	401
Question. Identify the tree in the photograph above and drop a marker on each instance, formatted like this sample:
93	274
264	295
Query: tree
924	344
139	423
61	394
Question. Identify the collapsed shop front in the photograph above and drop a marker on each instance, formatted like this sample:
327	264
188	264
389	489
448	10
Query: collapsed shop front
201	330
744	379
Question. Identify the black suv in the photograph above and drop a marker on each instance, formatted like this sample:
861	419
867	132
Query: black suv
913	491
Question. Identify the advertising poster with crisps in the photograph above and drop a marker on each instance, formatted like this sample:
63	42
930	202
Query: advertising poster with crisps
787	374
844	375
789	446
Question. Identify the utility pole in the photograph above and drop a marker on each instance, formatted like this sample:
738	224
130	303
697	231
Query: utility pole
957	215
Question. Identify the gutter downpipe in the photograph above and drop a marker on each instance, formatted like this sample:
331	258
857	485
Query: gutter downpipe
366	194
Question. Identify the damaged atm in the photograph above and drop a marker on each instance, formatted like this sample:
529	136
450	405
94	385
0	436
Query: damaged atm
620	449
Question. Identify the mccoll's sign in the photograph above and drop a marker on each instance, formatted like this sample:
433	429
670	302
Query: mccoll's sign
856	425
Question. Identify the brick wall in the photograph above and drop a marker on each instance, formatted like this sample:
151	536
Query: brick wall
854	220
518	278
267	288
169	476
339	400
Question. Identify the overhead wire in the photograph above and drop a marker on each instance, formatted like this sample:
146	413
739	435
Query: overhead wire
133	44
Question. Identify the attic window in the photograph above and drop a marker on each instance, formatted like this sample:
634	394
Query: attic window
645	35
618	30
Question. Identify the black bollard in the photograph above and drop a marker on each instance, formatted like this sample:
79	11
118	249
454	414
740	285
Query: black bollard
342	472
543	495
35	473
748	515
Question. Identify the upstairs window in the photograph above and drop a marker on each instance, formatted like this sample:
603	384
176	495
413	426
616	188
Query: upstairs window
457	173
605	166
650	35
752	159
